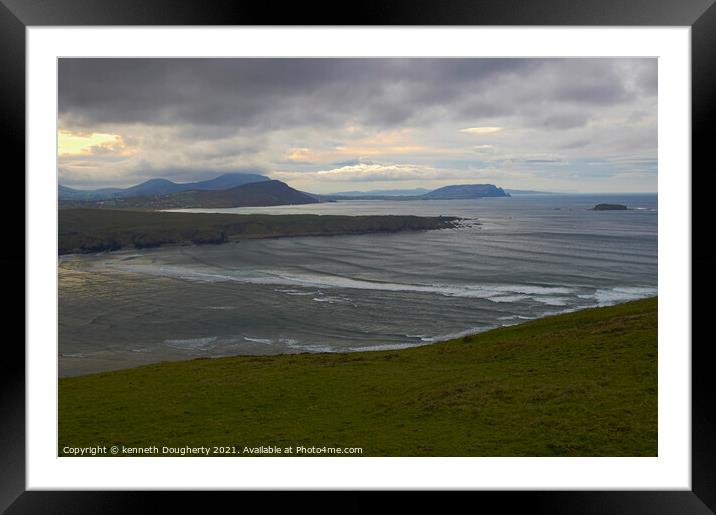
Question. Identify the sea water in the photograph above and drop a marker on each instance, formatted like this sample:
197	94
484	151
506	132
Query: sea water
513	259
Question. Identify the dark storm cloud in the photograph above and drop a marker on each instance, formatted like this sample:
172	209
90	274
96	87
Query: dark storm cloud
246	92
278	93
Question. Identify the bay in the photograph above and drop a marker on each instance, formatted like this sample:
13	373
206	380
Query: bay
513	259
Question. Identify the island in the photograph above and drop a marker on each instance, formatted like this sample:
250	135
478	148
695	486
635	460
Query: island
609	207
88	230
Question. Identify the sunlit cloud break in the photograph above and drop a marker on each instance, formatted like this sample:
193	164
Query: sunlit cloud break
83	143
367	172
482	130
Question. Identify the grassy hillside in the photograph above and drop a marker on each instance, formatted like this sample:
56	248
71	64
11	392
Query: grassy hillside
579	384
96	230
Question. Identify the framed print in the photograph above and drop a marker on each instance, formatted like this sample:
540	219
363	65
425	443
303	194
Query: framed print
419	252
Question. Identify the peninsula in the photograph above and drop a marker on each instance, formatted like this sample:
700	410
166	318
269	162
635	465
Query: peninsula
98	230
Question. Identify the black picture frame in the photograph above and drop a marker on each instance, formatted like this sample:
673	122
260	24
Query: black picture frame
700	15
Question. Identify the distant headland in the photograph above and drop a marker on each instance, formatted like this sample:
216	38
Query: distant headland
245	190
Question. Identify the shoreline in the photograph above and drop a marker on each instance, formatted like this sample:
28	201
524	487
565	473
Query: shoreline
577	384
89	231
238	239
379	348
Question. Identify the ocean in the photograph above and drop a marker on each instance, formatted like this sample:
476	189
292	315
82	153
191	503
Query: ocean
513	259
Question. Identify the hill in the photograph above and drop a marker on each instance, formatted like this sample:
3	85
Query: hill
264	193
154	187
578	384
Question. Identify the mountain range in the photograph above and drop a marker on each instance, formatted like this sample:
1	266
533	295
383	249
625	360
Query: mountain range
154	187
262	193
244	190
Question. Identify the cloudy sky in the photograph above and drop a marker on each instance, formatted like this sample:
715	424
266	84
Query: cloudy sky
326	125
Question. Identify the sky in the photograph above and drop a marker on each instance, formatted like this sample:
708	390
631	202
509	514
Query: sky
328	125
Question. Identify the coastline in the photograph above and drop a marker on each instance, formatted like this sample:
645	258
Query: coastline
110	365
87	231
238	239
577	384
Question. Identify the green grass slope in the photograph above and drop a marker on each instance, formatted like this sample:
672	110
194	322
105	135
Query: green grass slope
578	384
